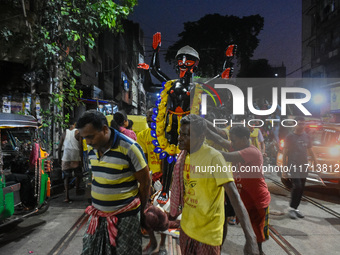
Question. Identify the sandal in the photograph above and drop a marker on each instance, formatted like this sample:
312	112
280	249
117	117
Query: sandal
68	201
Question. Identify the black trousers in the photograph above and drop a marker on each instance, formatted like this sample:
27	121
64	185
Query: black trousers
297	191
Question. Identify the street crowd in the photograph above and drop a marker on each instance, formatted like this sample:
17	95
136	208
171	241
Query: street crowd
131	178
127	178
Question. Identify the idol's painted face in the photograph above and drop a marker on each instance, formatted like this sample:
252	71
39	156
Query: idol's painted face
186	65
96	138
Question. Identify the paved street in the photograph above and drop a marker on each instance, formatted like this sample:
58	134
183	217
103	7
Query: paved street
317	233
60	229
39	234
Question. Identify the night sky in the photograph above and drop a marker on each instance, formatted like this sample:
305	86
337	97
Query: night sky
280	39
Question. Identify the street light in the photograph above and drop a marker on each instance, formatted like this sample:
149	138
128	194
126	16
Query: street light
318	99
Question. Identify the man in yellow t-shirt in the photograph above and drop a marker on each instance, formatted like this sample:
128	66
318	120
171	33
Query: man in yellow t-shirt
256	139
144	139
205	176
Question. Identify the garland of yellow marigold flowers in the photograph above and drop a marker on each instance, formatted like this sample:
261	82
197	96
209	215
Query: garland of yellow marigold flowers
163	147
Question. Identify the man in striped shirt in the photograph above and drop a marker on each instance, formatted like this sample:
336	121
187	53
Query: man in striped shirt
118	165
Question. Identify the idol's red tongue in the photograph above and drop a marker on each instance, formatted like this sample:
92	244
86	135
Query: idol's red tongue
182	73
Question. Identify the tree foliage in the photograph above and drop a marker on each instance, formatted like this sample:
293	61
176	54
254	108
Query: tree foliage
52	40
212	34
258	68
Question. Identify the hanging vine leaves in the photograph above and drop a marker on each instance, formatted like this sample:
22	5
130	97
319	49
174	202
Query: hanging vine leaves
49	37
52	38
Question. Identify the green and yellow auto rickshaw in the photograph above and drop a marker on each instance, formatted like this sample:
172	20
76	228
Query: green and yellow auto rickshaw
24	169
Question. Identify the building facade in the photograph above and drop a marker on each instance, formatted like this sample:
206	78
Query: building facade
109	77
321	52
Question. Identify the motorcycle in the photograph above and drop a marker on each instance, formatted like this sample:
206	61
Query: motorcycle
24	169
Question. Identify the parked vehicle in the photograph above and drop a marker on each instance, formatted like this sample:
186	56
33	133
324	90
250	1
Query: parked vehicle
24	169
326	148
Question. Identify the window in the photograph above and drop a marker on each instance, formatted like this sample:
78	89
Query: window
6	142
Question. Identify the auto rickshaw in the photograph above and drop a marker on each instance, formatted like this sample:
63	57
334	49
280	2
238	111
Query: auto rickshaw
24	169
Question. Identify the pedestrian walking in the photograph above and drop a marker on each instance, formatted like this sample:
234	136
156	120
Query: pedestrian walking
297	146
200	193
249	178
130	125
70	154
121	122
145	139
120	189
